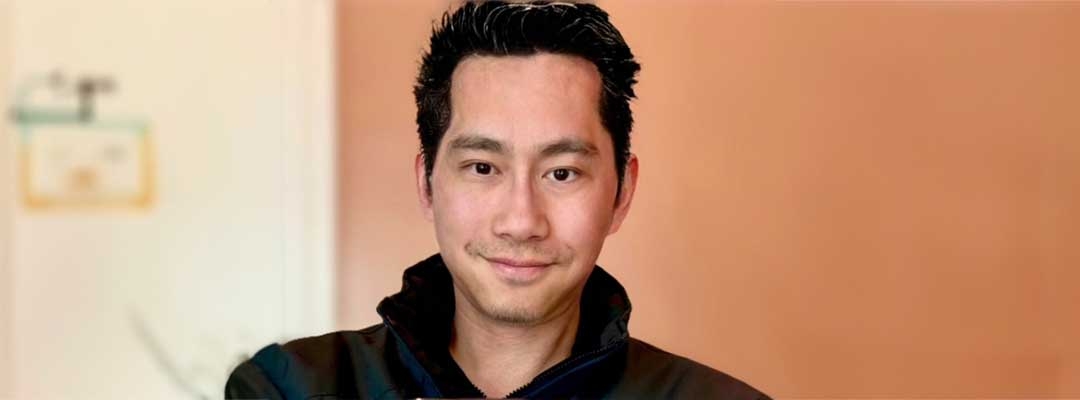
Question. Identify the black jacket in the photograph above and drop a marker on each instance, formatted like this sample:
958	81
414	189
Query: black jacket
407	355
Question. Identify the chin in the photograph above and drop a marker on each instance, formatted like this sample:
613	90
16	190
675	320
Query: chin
514	303
514	315
524	305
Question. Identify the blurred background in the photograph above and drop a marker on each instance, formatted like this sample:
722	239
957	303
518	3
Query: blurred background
837	200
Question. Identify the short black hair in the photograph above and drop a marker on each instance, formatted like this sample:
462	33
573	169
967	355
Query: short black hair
500	28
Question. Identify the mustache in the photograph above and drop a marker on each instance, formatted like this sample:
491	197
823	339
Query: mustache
516	250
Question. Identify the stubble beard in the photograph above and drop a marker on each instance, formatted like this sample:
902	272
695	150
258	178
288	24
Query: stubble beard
508	312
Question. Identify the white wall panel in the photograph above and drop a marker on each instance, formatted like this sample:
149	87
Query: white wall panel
6	196
235	250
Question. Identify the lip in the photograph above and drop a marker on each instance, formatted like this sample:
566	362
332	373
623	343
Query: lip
518	263
518	272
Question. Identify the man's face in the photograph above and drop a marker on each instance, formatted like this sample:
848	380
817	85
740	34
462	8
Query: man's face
523	188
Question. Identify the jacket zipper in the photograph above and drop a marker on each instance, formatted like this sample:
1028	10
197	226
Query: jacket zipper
558	368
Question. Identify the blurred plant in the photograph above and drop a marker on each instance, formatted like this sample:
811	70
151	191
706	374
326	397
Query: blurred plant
203	374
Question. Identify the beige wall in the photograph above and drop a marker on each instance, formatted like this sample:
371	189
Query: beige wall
6	195
836	199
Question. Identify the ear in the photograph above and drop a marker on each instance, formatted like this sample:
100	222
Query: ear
422	189
622	206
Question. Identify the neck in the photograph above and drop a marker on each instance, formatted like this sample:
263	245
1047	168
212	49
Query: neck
500	357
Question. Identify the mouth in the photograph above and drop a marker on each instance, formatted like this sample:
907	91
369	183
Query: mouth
518	271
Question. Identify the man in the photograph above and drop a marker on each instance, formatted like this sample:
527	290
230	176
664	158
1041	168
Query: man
525	168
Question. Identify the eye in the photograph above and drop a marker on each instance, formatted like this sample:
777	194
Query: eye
563	174
482	168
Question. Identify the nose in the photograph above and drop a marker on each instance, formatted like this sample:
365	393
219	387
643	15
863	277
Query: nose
521	216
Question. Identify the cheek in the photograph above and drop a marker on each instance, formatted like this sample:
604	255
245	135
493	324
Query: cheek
459	215
583	221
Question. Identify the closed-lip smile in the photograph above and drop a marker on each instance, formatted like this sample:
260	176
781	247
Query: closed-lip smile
518	272
518	263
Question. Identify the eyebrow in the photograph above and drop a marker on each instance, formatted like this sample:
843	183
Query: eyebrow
476	142
569	146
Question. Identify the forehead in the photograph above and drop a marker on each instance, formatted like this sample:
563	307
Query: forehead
526	98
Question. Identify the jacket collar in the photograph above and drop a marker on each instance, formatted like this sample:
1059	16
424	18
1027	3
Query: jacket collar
422	315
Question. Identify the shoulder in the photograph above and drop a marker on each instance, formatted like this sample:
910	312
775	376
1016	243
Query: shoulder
329	350
319	365
658	373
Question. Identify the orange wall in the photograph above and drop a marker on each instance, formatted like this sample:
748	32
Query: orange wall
856	200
